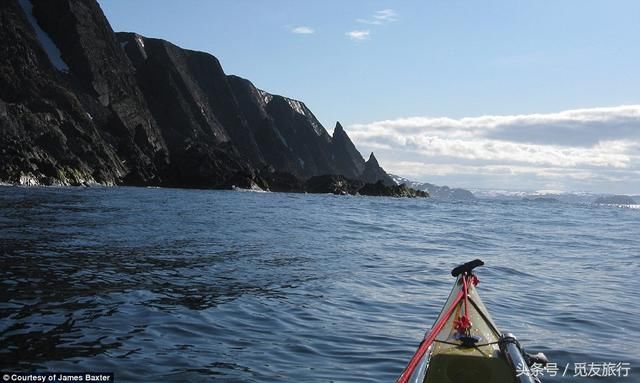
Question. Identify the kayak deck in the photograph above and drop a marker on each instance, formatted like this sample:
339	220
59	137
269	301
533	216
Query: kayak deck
445	368
450	361
465	346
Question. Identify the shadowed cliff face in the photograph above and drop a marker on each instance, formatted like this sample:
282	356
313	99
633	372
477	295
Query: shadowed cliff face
87	124
308	142
80	104
190	96
272	144
196	113
291	138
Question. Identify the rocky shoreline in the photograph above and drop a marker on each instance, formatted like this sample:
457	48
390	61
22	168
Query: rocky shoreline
275	182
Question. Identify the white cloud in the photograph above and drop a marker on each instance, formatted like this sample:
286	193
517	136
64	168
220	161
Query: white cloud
386	15
599	144
436	169
358	35
302	30
380	17
598	122
605	154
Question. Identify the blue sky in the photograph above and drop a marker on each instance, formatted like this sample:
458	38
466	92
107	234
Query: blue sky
366	62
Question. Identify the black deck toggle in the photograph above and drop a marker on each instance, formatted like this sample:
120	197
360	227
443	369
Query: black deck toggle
469	341
466	268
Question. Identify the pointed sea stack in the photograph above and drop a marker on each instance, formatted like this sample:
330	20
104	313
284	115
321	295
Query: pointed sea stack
347	159
373	172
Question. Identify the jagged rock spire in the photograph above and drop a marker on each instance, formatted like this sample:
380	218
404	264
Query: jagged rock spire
347	159
374	173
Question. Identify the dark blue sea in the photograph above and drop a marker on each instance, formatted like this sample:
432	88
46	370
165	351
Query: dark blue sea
197	285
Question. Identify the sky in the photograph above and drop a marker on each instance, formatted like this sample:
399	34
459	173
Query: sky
503	94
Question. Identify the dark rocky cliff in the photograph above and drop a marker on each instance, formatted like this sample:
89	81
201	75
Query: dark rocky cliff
189	94
84	123
189	97
80	104
291	138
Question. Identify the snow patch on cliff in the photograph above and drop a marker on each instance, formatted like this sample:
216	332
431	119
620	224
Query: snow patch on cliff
266	97
45	40
296	105
301	109
140	41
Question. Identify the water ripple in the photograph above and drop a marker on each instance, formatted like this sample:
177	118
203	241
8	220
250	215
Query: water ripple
198	285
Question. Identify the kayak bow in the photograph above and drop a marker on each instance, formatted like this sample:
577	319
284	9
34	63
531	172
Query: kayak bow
464	345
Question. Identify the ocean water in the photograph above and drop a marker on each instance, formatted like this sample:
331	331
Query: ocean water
198	285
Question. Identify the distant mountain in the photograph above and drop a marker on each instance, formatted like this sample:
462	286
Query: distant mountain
80	104
615	200
541	199
581	198
437	192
